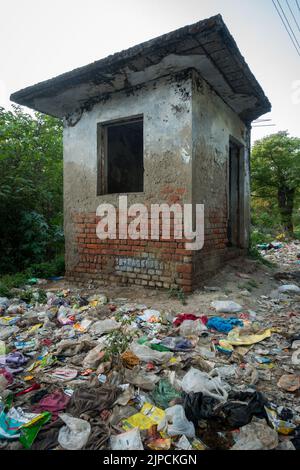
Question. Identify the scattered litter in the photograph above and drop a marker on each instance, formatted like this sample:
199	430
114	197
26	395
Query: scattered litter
88	372
226	306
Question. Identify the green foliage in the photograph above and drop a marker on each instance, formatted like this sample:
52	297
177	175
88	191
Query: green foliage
55	267
30	189
117	343
179	293
118	340
275	170
255	254
249	285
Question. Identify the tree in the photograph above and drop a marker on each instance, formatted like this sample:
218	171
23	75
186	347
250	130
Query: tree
275	164
30	188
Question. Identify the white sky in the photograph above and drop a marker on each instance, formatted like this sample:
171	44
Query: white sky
40	39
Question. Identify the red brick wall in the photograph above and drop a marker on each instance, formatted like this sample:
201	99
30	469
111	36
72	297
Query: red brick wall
162	263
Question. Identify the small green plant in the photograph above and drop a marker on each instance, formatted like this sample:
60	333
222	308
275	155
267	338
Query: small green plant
173	292
117	343
227	291
34	295
253	253
249	285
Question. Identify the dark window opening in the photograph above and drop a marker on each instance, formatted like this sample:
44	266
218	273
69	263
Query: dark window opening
121	158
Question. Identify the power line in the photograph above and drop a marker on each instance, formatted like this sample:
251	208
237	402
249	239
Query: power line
282	20
292	13
289	25
265	125
298	5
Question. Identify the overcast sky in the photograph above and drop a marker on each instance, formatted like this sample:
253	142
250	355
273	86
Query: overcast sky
40	39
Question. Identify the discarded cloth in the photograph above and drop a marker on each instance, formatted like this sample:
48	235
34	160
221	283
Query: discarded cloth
237	338
54	402
91	401
224	325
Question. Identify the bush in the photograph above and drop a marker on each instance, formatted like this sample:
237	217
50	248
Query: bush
42	270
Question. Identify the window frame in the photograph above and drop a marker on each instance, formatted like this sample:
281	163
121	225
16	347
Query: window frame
102	154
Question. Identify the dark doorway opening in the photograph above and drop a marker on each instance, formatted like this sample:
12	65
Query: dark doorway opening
234	202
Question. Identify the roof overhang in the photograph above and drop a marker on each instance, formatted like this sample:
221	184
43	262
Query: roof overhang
206	46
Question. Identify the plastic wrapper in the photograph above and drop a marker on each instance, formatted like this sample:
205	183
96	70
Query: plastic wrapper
130	440
147	417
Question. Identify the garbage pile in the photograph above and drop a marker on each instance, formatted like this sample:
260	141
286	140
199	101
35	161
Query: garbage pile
88	372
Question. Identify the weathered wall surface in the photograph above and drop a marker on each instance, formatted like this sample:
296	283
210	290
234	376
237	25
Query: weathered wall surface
166	106
214	123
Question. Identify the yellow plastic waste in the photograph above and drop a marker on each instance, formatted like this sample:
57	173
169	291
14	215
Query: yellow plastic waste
282	427
34	328
147	417
234	338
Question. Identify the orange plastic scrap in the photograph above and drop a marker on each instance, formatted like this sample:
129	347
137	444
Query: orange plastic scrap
129	359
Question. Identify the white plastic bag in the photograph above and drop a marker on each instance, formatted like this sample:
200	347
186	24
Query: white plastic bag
289	288
130	440
65	315
177	422
149	313
103	326
93	357
75	434
197	381
256	436
226	306
192	328
146	354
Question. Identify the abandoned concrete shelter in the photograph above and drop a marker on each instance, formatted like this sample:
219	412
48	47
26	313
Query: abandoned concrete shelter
167	121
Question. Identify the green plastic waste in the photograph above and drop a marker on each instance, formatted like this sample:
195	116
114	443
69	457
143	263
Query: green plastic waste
158	347
164	393
154	346
30	431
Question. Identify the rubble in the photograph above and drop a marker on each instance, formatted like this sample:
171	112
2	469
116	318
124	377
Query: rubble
81	371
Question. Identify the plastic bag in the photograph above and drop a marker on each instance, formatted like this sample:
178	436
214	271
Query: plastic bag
256	436
103	326
130	440
144	380
94	357
19	424
226	306
146	354
8	331
177	343
289	288
177	423
164	393
197	381
192	328
75	434
151	316
65	315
